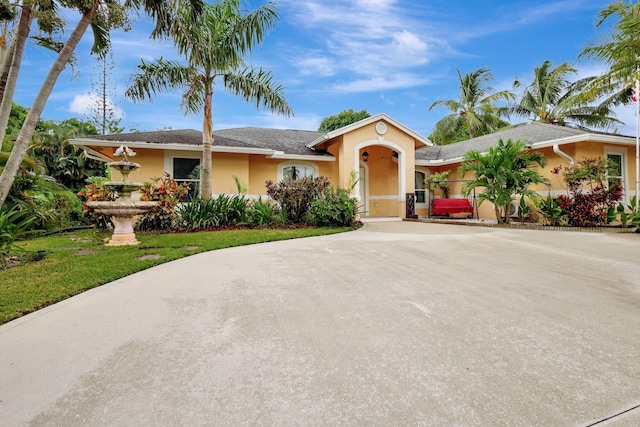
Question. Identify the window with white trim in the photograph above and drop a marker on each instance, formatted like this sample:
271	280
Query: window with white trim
420	191
187	171
297	172
615	169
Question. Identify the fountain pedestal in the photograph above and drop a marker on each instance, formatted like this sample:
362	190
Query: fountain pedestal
122	215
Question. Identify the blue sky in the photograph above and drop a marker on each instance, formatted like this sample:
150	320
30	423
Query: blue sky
391	56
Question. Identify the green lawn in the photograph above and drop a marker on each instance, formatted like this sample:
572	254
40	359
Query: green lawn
78	261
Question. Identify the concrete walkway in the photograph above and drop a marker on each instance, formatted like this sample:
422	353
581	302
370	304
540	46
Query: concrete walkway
395	324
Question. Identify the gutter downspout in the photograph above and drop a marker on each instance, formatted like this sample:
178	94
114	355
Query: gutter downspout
556	149
94	157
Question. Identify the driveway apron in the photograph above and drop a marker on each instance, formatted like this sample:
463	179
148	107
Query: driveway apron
394	324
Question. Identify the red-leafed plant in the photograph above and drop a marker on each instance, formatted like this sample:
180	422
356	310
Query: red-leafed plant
589	196
168	193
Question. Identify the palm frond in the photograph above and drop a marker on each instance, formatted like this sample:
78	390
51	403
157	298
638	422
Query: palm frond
257	85
157	76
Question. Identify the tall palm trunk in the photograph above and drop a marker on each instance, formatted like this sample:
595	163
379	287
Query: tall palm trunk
206	189
22	143
11	65
7	57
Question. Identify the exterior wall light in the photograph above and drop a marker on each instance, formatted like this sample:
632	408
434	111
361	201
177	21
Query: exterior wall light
365	156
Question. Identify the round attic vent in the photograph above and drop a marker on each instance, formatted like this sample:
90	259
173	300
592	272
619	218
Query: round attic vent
381	128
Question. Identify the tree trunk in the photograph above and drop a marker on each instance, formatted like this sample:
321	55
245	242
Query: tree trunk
22	143
11	65
498	213
6	65
507	211
207	143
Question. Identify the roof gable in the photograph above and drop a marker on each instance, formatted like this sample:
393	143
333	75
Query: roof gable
366	122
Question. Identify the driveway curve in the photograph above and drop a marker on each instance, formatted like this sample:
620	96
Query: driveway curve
393	324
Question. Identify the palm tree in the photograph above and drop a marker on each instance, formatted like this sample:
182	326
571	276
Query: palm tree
503	171
552	98
620	49
475	112
213	48
97	14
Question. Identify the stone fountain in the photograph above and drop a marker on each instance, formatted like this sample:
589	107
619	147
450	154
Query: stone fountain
123	210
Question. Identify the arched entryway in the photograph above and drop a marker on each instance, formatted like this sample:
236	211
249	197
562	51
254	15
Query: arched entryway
381	185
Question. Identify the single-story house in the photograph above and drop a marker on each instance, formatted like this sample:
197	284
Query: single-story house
389	159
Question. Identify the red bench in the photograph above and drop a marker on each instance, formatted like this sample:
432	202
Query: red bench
451	206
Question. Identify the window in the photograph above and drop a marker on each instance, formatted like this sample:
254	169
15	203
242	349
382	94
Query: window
297	172
187	171
420	190
615	172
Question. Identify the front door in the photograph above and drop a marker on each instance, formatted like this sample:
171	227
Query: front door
362	177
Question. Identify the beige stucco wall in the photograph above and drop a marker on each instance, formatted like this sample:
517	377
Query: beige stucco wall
262	169
224	166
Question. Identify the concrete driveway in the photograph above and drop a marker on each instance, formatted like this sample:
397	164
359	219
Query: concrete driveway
394	324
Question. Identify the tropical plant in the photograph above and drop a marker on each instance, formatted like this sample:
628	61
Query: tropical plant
588	197
549	208
262	213
335	208
96	191
295	195
503	171
213	47
524	210
439	181
101	17
342	119
475	110
626	214
168	193
221	211
61	160
14	225
552	98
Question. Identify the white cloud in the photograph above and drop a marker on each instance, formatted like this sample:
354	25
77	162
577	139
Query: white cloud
377	83
366	41
85	103
316	66
267	120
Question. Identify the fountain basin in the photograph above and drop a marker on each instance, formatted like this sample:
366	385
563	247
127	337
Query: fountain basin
123	213
124	167
123	189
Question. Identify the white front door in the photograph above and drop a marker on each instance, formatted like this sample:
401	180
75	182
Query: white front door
362	177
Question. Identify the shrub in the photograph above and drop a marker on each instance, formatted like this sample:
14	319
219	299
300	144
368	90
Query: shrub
96	192
335	208
263	212
295	195
221	211
168	193
52	205
588	198
550	210
14	225
626	214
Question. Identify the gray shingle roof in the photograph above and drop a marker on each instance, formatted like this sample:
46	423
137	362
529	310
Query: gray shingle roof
285	140
530	133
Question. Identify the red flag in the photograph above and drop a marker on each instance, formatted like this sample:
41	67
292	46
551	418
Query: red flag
636	92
